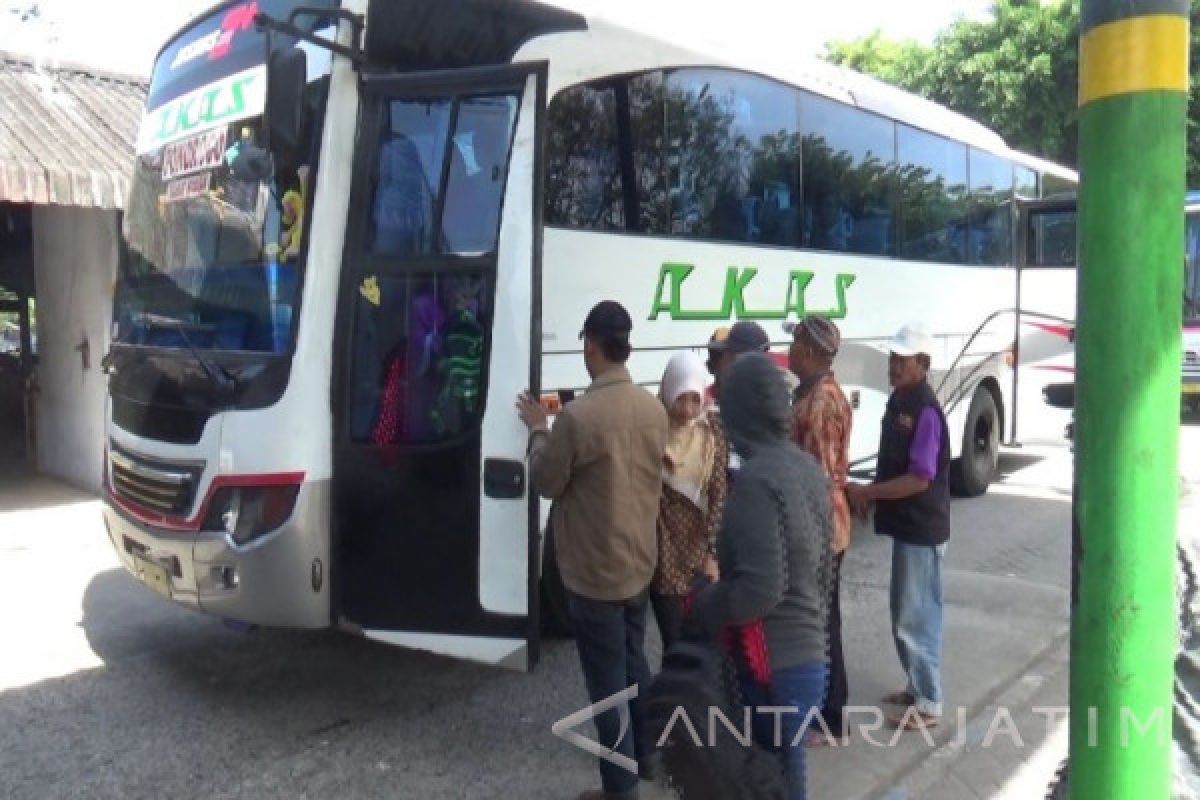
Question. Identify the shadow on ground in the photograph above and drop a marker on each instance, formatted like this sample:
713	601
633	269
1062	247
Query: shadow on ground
21	489
1013	461
191	708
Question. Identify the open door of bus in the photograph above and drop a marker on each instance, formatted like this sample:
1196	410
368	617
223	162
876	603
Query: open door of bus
436	546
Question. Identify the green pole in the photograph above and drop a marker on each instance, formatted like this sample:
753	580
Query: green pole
1133	107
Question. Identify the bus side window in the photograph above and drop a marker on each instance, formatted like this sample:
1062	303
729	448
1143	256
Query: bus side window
646	150
848	172
1052	240
1191	266
932	196
733	146
403	210
584	188
990	242
478	169
408	175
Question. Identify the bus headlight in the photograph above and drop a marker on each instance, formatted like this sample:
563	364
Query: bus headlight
248	512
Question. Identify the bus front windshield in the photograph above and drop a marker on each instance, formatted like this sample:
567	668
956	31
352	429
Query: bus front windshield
1191	269
215	222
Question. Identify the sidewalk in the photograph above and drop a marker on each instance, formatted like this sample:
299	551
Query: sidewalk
1001	644
1007	772
1012	747
1010	739
1006	584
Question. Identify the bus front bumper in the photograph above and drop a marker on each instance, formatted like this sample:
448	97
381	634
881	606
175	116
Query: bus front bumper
279	580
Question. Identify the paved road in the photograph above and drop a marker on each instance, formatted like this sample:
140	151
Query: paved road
108	691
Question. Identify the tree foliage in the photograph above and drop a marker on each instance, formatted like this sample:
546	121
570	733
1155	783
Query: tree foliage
1016	72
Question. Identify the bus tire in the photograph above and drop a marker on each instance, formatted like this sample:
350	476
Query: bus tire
555	617
972	472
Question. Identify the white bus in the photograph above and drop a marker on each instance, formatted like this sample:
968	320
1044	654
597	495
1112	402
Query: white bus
1047	281
1191	305
345	261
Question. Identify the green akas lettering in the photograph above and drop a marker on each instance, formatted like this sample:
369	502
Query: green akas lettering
239	95
204	110
671	278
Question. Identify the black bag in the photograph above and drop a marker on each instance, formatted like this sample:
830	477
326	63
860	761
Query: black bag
695	677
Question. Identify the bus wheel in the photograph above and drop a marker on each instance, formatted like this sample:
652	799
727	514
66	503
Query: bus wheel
555	619
972	472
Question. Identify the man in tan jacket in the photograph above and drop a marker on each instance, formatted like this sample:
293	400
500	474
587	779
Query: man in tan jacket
602	466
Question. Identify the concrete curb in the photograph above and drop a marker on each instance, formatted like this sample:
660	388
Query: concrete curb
936	774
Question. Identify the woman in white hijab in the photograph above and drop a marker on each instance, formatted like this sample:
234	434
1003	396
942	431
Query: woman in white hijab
695	485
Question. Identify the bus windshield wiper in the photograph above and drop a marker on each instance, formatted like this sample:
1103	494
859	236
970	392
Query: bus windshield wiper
225	381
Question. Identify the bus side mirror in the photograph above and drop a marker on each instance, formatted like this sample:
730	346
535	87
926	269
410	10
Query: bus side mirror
287	75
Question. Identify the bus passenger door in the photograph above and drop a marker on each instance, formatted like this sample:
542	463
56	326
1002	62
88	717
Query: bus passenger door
1046	319
438	332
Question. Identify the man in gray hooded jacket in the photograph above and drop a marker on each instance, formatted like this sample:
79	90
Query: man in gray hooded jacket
774	550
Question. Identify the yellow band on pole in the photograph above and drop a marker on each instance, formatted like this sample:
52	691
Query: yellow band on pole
1139	54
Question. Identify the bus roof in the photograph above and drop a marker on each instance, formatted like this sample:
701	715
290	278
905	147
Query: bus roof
1042	165
608	48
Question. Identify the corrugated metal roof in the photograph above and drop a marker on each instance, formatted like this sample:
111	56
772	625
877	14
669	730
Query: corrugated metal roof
66	134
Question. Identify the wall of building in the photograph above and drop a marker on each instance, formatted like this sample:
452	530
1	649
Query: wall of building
75	261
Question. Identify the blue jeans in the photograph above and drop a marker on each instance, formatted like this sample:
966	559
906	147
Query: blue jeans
801	690
610	639
916	604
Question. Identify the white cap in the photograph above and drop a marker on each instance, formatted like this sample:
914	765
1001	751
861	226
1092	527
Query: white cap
912	339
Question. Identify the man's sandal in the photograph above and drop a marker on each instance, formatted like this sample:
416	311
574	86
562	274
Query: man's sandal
913	720
814	739
900	698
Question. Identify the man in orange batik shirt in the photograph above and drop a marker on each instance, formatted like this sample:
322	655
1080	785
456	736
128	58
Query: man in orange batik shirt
821	422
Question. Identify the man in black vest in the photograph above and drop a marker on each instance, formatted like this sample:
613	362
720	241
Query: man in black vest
911	494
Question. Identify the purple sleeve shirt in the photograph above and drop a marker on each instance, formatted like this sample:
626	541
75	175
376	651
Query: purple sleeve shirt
927	441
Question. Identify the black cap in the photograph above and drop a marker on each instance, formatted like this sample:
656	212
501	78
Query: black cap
744	337
607	319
